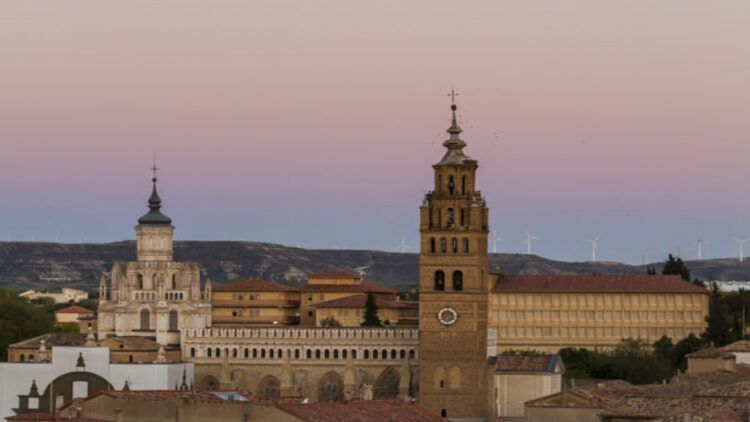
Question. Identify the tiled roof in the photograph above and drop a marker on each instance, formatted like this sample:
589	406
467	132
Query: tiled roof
711	353
602	395
594	284
74	309
359	411
253	286
358	301
738	346
355	288
50	417
170	394
131	343
334	273
51	339
517	363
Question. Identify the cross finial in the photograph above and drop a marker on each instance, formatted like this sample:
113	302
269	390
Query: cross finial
453	95
154	168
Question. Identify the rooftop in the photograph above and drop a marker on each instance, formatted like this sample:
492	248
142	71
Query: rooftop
741	346
74	309
356	288
334	273
50	340
359	300
535	363
594	284
253	286
359	411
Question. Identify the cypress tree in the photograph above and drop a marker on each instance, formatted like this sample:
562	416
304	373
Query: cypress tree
372	319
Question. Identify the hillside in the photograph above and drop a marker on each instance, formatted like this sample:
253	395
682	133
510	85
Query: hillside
50	265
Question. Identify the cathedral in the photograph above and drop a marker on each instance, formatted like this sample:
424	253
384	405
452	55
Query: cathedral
441	353
153	296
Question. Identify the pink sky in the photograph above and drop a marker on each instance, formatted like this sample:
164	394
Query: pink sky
317	122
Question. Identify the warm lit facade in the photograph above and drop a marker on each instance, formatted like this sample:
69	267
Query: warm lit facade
349	311
552	312
254	303
153	296
72	314
335	284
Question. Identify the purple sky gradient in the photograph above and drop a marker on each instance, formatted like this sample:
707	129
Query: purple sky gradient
317	122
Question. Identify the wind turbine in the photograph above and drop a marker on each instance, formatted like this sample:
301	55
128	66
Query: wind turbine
741	243
402	247
529	240
494	240
361	271
699	242
594	247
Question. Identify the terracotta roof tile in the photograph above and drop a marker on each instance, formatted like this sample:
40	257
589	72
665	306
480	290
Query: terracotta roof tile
359	300
334	273
594	284
50	417
518	363
50	340
738	346
354	288
74	309
254	286
359	411
711	353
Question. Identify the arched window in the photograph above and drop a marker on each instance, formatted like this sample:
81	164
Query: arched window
440	217
393	354
269	387
173	320
387	385
375	354
439	280
443	245
247	353
270	353
432	244
192	352
454	245
367	354
411	354
450	219
317	354
354	354
466	245
326	354
145	319
262	353
218	352
174	282
335	354
343	354
296	353
234	353
208	352
255	353
463	217
139	283
463	185
384	355
451	185
458	281
308	354
279	353
22	358
330	388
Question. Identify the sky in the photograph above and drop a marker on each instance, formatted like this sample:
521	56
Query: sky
316	123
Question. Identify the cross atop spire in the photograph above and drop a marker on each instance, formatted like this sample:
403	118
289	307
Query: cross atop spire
454	144
154	169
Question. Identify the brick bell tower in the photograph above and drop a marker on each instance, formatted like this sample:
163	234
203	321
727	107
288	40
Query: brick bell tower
453	288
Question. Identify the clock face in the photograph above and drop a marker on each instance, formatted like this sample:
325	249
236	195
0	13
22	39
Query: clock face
447	316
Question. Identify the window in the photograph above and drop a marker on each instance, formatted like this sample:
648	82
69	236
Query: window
443	245
449	218
145	319
451	185
432	244
466	245
463	185
192	352
173	320
439	280
458	281
440	217
174	282
454	245
463	217
139	283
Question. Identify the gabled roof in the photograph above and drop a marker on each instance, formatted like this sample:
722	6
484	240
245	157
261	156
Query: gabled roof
741	346
358	411
51	339
253	286
74	309
334	273
354	288
594	284
711	353
535	363
359	300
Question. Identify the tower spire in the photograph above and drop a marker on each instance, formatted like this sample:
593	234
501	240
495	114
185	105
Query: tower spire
455	153
154	215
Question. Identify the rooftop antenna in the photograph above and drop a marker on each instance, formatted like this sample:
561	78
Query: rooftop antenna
494	240
594	247
529	240
403	246
741	244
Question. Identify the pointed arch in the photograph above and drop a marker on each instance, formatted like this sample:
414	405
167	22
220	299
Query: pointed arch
387	385
208	383
330	387
269	387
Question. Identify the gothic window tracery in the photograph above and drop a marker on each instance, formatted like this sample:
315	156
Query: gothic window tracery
269	387
387	385
330	387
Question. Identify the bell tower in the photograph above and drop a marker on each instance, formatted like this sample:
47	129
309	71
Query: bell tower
453	288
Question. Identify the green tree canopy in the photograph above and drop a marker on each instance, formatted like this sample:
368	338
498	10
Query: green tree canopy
372	319
674	266
20	320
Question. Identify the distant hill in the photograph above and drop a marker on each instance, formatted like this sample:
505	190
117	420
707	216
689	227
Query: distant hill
42	265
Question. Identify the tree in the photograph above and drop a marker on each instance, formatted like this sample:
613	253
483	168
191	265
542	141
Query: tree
684	347
650	271
372	319
721	327
20	320
674	266
330	322
663	349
